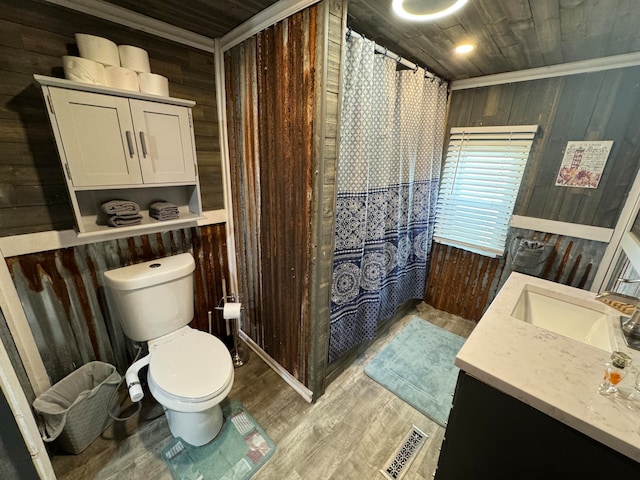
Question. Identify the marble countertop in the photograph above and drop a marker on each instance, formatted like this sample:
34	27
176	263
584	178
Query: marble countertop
556	375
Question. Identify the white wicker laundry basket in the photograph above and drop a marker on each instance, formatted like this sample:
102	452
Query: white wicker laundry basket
74	410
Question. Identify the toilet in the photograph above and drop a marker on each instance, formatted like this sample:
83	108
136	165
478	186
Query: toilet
190	372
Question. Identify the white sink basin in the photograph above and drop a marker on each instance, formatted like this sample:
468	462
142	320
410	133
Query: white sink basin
562	314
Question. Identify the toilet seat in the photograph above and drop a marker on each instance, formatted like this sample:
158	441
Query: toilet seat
189	367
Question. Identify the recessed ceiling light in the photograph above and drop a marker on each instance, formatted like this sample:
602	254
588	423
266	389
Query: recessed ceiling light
465	48
398	8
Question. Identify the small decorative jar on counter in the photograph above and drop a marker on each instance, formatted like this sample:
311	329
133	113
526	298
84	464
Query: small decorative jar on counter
614	372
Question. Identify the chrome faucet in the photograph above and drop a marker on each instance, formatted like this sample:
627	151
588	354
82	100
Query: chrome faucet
629	306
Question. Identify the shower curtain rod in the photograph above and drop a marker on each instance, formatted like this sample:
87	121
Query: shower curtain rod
394	56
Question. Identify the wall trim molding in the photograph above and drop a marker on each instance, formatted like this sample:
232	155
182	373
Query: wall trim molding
559	70
221	102
56	239
23	416
213	216
261	20
577	230
128	18
293	382
21	331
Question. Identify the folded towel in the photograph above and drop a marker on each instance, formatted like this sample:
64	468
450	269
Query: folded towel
161	205
164	212
124	220
120	207
162	216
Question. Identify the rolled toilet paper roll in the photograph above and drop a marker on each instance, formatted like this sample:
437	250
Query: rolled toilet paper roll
123	78
154	84
98	49
231	310
83	70
135	58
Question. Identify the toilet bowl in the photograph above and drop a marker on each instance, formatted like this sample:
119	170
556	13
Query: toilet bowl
190	372
182	378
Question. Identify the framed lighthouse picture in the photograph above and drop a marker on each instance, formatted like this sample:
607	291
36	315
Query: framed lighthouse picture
583	164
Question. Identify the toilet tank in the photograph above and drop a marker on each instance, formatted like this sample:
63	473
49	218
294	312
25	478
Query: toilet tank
153	298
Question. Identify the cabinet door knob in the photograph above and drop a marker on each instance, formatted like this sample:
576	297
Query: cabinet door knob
143	142
129	143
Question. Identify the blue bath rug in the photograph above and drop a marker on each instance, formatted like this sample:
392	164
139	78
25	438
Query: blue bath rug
417	366
241	448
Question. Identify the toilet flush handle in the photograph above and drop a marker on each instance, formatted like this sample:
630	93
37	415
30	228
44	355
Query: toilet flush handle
133	381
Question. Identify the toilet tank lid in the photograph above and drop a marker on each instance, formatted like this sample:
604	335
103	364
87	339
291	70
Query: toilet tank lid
154	272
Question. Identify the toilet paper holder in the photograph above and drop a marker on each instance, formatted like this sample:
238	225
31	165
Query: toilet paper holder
226	298
239	355
231	299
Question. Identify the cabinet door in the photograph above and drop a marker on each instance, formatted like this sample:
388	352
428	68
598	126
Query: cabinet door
97	138
164	136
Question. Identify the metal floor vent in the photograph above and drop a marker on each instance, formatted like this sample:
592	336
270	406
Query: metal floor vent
400	461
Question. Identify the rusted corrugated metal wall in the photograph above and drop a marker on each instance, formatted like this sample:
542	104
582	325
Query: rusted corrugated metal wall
64	298
461	282
465	283
270	103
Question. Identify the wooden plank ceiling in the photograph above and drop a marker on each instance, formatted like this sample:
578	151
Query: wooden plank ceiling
211	18
510	34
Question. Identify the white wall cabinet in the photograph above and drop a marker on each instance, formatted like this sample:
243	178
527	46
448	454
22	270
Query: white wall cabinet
165	148
115	144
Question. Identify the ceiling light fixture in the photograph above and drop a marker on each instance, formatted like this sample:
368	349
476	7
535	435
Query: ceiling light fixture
465	48
398	8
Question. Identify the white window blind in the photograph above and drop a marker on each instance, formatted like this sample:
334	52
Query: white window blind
479	184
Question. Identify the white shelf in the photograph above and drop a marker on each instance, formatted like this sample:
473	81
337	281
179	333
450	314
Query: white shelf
93	219
148	225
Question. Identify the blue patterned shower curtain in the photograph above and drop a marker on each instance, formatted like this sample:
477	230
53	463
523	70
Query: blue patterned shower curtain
392	129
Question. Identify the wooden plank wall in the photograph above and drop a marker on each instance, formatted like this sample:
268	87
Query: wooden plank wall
33	38
327	126
590	106
283	181
64	298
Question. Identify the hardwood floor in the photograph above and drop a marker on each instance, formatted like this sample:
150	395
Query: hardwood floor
349	433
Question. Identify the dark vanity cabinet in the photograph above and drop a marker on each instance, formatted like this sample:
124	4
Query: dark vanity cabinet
491	435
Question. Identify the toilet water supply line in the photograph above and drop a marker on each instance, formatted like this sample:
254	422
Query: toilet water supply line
133	381
115	390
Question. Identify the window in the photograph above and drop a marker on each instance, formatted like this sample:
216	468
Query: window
480	181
